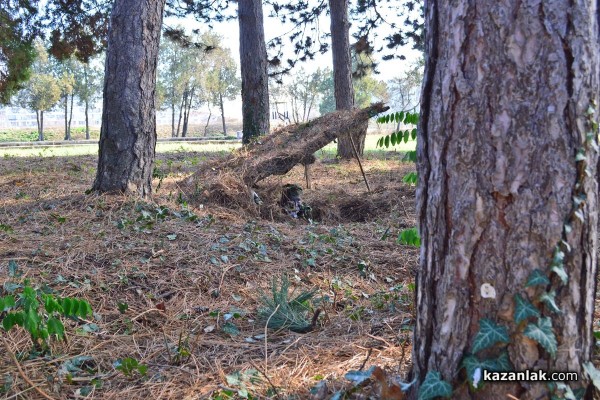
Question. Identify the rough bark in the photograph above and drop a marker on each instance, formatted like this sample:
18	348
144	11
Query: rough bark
342	73
253	65
128	133
503	115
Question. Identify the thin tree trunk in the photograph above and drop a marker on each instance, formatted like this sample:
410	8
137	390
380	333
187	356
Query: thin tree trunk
41	135
173	119
186	114
181	110
67	137
86	101
39	126
342	72
70	118
222	114
207	121
505	163
128	134
87	118
253	64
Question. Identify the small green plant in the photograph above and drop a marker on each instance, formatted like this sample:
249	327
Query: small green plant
281	312
130	365
409	237
39	313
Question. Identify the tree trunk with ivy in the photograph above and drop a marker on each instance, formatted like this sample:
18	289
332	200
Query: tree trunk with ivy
507	196
128	134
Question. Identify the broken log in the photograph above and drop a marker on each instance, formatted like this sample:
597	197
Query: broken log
273	154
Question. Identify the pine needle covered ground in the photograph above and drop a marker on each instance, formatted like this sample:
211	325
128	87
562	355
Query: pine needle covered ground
176	288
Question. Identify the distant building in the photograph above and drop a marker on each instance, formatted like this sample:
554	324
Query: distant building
19	118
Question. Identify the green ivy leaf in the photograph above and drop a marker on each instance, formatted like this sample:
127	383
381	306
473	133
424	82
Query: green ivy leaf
502	363
472	364
543	333
537	278
562	274
475	367
592	373
550	299
13	268
434	386
524	309
489	334
231	329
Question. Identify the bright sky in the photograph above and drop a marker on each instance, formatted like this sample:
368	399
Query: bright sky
273	28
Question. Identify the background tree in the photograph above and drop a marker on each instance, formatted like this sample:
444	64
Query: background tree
128	133
172	74
405	90
253	65
221	80
41	94
342	73
42	90
64	71
303	93
507	194
367	90
17	52
88	86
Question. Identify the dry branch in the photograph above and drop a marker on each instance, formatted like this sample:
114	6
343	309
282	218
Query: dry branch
275	154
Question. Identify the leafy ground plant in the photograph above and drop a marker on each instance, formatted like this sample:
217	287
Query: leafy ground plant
280	312
39	313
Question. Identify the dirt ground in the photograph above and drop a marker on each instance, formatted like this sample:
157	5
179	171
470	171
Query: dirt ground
177	286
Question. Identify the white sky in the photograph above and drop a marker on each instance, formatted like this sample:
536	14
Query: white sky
273	27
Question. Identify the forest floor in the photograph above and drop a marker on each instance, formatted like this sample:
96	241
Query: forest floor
177	287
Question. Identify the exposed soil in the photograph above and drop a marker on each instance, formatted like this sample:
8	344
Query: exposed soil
161	277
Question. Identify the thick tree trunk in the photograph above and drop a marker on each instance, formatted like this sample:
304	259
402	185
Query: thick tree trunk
342	72
506	177
253	64
128	134
222	114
